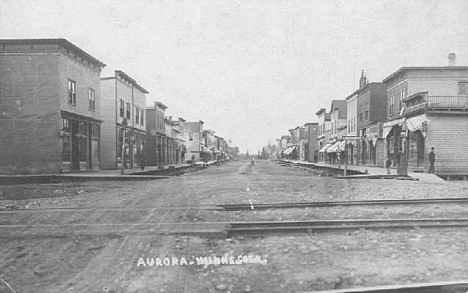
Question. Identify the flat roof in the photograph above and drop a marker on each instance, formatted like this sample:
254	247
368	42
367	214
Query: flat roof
60	41
135	84
424	68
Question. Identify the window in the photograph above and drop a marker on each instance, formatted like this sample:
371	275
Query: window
92	99
95	131
71	92
128	111
142	117
360	117
400	100
122	108
137	115
392	103
463	88
65	125
190	136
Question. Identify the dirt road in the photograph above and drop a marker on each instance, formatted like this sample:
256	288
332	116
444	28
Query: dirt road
106	258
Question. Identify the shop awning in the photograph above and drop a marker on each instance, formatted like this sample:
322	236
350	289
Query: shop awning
289	150
416	123
387	126
334	147
342	145
325	147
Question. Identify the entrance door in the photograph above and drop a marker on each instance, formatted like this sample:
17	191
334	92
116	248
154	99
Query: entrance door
75	157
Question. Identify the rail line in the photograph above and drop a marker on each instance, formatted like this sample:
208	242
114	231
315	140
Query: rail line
288	227
230	229
249	206
259	206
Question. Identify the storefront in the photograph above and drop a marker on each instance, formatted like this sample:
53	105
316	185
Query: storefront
80	137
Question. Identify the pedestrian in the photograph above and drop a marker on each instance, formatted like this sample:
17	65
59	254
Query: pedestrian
388	163
432	160
253	160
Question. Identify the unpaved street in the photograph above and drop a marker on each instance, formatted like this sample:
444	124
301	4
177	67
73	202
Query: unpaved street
122	248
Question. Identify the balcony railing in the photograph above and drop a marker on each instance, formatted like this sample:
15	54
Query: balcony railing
447	102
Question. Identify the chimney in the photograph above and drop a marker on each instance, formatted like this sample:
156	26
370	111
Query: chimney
451	59
362	80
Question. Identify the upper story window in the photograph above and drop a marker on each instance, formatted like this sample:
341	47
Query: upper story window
128	111
71	92
142	117
391	105
366	111
92	99
122	108
463	88
190	136
137	115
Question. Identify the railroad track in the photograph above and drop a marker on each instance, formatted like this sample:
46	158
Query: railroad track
289	227
249	206
262	206
231	229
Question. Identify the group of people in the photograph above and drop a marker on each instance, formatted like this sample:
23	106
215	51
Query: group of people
402	163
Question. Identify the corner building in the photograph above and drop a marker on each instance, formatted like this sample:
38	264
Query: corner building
49	107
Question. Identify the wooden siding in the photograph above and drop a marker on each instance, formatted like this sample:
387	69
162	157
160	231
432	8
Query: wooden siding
449	137
434	86
108	127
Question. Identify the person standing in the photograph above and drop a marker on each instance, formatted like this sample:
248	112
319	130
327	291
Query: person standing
431	160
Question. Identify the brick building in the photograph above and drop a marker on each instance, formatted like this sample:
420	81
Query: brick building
49	107
371	113
123	105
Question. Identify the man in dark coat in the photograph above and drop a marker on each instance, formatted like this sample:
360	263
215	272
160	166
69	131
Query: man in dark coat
431	161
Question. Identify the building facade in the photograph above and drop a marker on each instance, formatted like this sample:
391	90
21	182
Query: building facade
323	135
428	107
311	146
194	141
156	134
371	112
124	126
49	107
352	155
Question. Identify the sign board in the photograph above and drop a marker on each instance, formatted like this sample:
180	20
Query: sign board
352	137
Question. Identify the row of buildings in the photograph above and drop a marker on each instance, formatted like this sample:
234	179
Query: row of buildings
410	111
58	114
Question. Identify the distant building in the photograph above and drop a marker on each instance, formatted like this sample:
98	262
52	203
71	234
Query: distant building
324	131
194	141
50	107
352	128
428	107
156	135
123	112
310	137
371	112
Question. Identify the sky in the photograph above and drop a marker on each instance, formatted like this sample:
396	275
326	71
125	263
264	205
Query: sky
250	69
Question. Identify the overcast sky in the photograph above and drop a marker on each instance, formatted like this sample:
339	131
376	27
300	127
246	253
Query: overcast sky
249	69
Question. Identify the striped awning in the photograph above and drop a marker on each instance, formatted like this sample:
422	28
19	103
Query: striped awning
325	147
